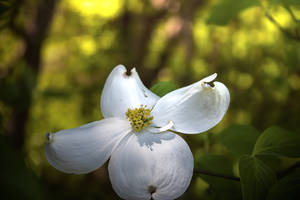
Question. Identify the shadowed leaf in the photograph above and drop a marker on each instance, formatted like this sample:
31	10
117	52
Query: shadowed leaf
256	178
279	142
287	188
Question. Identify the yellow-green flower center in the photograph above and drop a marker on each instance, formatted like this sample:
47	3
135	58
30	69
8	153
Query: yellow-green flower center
139	118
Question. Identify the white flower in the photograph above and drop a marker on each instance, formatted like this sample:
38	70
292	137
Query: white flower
147	159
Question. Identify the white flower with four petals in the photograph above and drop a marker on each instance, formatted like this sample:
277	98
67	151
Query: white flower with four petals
147	159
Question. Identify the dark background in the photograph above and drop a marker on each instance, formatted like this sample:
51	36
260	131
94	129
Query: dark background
55	57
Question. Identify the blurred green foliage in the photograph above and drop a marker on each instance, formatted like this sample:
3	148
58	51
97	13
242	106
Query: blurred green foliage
219	188
239	139
17	180
227	10
255	51
163	88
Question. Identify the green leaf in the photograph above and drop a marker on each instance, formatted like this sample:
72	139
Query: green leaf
239	139
226	10
279	142
287	188
163	88
274	162
220	188
256	178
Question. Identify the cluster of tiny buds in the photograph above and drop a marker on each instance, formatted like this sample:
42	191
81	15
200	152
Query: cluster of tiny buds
139	118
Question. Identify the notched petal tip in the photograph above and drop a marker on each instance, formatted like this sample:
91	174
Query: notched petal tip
48	137
151	189
207	83
210	85
133	70
210	78
120	68
130	73
126	72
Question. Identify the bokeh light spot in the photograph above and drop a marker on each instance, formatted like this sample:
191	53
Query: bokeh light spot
102	8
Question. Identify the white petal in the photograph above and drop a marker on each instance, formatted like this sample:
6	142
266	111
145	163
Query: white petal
148	164
84	149
153	129
193	109
121	92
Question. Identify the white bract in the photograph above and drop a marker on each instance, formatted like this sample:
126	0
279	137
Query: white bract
147	159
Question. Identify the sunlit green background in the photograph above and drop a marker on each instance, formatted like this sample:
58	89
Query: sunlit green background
254	48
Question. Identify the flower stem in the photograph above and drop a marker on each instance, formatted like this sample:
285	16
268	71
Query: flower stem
280	174
200	171
290	169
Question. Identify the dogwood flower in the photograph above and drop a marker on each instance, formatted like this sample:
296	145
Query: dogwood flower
138	133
